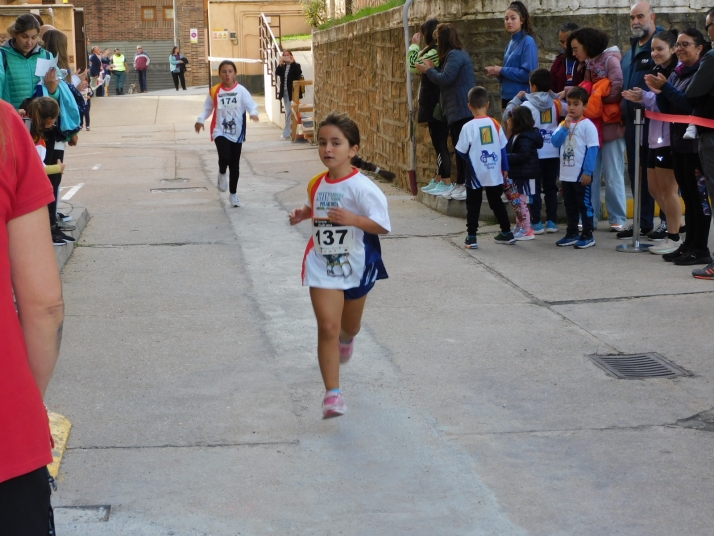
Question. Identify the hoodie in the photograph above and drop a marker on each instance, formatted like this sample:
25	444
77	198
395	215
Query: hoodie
607	65
547	112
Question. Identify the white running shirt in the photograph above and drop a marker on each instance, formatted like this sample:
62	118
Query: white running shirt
228	107
482	143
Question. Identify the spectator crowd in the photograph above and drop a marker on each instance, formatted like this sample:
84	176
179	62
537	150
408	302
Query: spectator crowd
569	130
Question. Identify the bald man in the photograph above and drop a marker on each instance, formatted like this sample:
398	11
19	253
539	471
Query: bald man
636	63
46	28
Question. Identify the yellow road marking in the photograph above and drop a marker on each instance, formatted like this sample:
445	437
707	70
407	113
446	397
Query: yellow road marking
59	426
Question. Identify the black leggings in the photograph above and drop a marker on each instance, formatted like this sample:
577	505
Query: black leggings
697	210
177	77
455	131
439	133
25	508
229	158
473	207
55	179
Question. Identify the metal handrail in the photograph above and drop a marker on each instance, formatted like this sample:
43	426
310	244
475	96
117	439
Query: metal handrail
269	51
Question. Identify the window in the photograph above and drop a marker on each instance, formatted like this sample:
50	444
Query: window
168	13
148	14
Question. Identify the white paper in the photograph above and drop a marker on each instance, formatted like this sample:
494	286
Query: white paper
44	65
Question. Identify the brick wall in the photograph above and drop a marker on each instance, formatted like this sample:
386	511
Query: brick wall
120	20
360	66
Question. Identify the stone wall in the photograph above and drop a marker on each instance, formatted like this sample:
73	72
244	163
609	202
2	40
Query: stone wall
360	65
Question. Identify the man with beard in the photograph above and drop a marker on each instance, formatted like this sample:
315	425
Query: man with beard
636	64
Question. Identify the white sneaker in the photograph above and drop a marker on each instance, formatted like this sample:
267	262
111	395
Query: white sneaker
283	138
459	195
690	134
432	184
446	193
666	246
234	200
222	181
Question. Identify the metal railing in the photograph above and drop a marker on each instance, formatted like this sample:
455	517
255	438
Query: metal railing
270	49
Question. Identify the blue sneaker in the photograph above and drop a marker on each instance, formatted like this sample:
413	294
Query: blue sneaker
470	242
585	243
537	228
430	186
569	240
551	227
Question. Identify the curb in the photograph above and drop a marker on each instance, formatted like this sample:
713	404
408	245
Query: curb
59	426
80	218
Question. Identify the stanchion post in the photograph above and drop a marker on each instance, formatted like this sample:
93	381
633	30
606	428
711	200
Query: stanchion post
636	246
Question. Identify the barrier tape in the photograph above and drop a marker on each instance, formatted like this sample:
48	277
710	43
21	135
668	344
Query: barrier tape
686	119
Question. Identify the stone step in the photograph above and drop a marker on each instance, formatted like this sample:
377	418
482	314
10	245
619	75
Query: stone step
80	218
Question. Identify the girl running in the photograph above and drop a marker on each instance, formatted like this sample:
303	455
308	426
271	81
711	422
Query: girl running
343	258
230	101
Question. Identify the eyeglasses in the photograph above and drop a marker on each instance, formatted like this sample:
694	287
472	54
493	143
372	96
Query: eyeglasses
683	44
575	49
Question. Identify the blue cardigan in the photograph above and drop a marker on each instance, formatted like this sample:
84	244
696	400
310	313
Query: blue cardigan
520	58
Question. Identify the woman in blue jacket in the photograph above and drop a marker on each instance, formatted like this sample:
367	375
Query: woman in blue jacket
521	56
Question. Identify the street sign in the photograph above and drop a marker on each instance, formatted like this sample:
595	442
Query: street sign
193	32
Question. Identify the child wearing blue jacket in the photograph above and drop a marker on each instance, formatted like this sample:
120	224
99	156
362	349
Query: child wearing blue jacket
521	55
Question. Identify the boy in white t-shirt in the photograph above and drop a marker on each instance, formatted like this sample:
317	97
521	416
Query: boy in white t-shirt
547	112
482	143
578	141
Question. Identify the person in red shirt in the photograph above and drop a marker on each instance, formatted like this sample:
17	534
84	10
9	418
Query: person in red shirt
30	333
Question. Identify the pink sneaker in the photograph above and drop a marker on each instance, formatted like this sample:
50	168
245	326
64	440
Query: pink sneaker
346	350
333	405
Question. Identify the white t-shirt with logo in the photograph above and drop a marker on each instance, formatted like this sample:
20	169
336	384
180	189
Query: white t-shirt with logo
359	262
482	143
230	107
547	122
581	136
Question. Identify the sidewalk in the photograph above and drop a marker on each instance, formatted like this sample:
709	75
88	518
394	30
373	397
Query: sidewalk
188	365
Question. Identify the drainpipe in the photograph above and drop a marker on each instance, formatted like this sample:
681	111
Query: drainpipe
410	102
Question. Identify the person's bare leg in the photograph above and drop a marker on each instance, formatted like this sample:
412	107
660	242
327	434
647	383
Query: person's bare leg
670	197
328	306
655	188
352	318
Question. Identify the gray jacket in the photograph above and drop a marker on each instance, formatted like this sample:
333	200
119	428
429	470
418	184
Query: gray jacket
700	91
455	79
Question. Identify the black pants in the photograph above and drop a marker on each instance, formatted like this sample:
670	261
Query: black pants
177	77
455	131
697	210
439	133
25	508
547	184
578	207
55	179
474	197
647	202
84	116
229	158
142	79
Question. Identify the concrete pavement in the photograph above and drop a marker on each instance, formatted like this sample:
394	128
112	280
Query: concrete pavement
188	368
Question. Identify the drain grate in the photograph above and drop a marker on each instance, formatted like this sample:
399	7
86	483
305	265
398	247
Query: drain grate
638	366
178	190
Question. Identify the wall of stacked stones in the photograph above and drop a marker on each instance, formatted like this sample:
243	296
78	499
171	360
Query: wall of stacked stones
360	66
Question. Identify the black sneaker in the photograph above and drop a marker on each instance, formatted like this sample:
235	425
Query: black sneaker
64	226
470	242
659	234
628	233
695	256
65	237
57	240
64	217
704	273
681	250
504	238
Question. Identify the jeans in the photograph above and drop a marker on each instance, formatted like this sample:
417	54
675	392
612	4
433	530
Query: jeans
229	158
142	79
120	77
439	132
646	200
547	184
287	131
578	207
473	208
611	165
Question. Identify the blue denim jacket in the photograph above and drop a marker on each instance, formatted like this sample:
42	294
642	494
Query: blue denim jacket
520	58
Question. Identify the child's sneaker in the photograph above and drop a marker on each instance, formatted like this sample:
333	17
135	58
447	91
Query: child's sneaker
504	238
470	242
333	405
222	182
524	235
346	350
585	242
551	227
690	133
537	228
568	240
431	185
